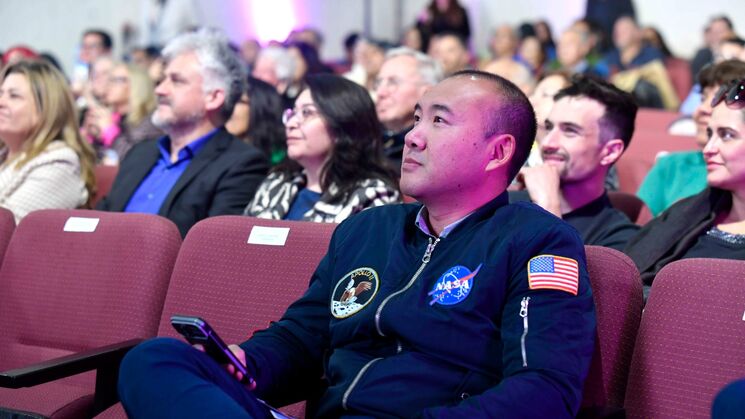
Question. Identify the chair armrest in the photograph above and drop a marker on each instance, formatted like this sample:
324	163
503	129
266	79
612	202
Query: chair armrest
66	366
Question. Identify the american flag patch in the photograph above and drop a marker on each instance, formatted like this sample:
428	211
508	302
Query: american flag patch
553	272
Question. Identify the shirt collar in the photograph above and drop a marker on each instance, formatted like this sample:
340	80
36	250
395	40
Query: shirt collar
188	152
421	223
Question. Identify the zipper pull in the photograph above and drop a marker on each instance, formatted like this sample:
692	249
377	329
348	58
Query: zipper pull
524	307
430	248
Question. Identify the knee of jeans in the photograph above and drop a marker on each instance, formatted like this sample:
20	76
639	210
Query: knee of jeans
731	398
139	362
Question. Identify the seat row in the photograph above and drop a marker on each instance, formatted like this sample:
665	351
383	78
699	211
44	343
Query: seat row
79	288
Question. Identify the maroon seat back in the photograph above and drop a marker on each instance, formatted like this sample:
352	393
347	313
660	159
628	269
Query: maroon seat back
650	138
617	292
7	226
240	287
691	341
63	292
679	71
631	205
105	176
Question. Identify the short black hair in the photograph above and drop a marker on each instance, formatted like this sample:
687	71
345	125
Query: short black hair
105	37
620	107
458	37
512	115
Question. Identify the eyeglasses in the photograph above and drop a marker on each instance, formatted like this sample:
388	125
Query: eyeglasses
119	80
302	114
392	83
733	95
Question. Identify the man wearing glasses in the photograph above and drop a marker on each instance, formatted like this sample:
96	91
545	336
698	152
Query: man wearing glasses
198	170
402	80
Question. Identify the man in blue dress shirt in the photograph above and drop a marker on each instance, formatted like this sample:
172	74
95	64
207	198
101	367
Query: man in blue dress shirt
198	170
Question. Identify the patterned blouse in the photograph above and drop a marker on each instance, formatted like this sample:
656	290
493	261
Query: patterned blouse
275	195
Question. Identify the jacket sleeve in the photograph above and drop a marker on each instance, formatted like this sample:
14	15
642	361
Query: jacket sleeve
547	351
47	183
286	359
238	185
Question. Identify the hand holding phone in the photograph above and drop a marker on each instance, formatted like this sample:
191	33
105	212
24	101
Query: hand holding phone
198	332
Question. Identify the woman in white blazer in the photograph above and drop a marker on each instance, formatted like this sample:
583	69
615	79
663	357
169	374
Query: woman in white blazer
43	161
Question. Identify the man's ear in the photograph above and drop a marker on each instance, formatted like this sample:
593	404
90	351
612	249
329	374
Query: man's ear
611	152
214	100
501	149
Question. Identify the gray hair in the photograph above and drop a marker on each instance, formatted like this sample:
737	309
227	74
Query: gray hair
284	63
429	69
221	67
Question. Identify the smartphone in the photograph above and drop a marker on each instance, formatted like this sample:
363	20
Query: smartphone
198	331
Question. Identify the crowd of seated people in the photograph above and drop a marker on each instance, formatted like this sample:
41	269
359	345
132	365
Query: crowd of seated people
202	128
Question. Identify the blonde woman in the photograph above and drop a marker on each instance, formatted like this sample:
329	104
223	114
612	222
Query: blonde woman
124	118
43	161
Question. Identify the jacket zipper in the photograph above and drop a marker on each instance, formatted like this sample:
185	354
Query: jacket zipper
524	315
425	259
355	381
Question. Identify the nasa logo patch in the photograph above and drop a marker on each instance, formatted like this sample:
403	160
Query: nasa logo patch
353	292
453	286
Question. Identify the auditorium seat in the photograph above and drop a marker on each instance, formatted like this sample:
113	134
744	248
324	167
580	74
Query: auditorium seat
631	205
72	281
7	226
105	176
691	340
679	71
239	286
617	292
650	139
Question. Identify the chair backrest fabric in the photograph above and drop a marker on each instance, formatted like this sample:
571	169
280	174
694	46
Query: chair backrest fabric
691	340
617	292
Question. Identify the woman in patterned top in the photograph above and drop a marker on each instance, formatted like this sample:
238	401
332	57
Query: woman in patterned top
335	165
43	161
710	224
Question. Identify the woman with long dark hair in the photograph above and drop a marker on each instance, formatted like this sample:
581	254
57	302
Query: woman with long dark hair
335	165
710	224
257	119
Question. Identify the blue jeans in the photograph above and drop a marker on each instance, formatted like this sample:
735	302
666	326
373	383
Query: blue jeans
167	378
730	402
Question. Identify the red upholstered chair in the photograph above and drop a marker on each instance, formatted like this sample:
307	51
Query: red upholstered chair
239	287
691	341
7	226
679	71
650	138
617	292
68	285
631	205
105	176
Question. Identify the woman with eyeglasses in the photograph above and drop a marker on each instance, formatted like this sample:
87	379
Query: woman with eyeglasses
335	166
710	224
44	163
124	119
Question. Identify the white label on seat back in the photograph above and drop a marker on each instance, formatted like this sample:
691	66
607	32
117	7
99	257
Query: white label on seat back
81	224
269	236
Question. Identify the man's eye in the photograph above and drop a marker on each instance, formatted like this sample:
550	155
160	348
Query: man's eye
437	119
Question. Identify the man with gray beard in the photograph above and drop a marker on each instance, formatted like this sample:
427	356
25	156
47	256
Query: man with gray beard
198	169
